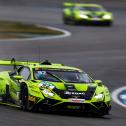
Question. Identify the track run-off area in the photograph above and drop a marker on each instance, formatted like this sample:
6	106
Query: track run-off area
98	50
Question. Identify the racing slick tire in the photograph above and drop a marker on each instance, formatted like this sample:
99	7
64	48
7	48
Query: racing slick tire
6	96
69	21
65	21
24	99
108	23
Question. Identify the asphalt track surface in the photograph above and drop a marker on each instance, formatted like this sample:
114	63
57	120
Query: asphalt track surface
100	51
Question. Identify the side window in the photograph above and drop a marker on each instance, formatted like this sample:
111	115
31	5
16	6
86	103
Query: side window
25	73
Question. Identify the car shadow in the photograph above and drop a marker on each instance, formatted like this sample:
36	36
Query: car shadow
59	113
74	114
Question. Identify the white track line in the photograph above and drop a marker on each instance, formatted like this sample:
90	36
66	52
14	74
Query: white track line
115	94
65	34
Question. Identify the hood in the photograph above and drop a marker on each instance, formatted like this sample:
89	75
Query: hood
94	13
73	86
70	90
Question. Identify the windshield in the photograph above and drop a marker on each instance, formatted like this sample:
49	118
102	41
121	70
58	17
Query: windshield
62	75
84	8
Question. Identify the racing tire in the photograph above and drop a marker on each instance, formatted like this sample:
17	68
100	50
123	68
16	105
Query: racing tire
6	96
102	114
24	99
7	92
69	21
109	23
66	21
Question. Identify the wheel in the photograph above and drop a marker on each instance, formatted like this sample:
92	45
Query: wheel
6	96
65	20
24	98
109	23
69	21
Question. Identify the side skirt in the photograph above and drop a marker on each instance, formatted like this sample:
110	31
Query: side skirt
9	104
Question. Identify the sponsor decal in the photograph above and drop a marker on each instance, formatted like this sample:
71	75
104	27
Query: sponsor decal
77	100
73	107
31	98
46	84
74	93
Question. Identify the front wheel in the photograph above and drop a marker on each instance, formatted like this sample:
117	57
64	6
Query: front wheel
69	21
24	98
6	96
108	23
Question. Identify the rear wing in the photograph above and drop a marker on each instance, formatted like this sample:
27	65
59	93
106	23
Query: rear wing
17	63
68	4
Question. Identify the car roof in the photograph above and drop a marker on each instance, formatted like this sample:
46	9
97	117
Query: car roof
54	67
45	64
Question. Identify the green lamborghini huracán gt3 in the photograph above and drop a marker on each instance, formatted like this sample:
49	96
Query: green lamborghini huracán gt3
85	13
51	87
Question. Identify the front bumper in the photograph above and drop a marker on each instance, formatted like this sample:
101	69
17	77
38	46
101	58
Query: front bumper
93	107
94	21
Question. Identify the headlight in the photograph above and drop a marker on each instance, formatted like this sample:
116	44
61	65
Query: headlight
99	96
47	92
83	16
106	16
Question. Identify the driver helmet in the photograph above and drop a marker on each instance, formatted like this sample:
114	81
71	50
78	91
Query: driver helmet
41	75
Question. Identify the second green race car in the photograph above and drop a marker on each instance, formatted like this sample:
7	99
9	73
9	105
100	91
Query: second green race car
77	13
52	87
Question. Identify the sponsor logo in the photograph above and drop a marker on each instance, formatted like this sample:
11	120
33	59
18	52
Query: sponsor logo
77	100
74	93
73	107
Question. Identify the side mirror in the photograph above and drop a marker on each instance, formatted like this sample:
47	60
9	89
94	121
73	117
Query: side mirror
99	82
17	77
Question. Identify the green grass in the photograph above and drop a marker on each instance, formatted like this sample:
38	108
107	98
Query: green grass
9	29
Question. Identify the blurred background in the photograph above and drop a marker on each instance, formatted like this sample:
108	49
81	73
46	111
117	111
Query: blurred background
99	50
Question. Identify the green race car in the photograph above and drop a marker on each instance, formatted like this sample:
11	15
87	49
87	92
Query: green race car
77	13
52	87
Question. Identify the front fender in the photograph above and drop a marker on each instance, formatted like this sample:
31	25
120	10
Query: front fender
33	89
